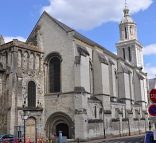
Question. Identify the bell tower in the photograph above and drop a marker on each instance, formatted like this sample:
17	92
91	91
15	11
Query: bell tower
127	27
128	47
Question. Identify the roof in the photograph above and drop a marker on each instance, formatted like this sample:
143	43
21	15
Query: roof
62	25
20	44
76	34
94	99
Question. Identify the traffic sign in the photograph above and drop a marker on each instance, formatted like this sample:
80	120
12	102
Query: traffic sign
152	109
153	95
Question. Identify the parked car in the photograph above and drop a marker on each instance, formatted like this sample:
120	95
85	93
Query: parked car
149	138
7	138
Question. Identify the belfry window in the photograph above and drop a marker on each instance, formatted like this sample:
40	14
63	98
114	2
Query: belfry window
54	74
125	32
124	56
129	54
131	30
31	94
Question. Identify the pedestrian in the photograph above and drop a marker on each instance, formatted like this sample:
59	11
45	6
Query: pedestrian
54	138
78	140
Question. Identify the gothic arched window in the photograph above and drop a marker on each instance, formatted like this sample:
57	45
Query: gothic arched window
54	74
31	94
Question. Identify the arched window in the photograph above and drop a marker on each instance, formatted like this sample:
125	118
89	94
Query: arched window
31	94
124	54
126	36
95	111
31	62
19	62
54	74
25	60
129	53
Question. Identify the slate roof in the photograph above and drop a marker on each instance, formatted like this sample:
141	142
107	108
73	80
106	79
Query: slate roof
76	34
62	25
20	44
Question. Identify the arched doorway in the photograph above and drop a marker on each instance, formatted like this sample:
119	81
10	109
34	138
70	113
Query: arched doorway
59	122
31	129
64	128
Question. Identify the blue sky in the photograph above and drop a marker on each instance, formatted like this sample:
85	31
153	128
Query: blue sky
96	19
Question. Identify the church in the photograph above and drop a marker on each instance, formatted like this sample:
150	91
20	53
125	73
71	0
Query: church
59	80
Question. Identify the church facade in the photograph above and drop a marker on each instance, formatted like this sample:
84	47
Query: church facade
59	80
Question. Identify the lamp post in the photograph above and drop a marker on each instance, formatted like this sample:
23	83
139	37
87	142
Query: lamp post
139	121
24	117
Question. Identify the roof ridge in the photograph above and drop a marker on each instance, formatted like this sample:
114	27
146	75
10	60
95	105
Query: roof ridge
61	24
76	34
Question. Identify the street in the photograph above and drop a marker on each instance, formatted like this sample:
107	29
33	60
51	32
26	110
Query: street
139	139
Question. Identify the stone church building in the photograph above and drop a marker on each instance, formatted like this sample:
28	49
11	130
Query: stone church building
59	80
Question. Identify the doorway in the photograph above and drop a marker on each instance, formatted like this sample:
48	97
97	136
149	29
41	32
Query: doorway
64	128
31	129
60	122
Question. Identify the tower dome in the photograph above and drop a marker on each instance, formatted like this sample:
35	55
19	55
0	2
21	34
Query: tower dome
127	18
127	26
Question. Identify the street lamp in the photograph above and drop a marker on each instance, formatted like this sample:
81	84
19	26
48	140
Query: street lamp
24	117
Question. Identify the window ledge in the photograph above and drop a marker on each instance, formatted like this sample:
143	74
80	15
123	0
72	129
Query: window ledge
53	93
30	108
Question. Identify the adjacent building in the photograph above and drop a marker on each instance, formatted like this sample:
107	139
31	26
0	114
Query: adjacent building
64	81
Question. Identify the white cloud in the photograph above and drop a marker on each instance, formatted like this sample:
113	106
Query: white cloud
87	14
151	71
150	50
8	39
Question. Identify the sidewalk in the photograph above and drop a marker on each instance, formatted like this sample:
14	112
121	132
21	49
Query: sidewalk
109	138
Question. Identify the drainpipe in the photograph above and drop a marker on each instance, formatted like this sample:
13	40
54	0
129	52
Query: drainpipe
129	128
104	128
